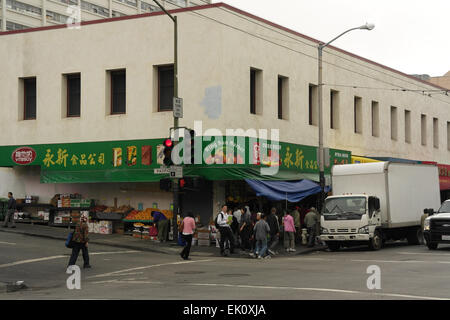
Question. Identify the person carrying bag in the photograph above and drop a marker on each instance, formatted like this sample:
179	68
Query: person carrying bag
79	241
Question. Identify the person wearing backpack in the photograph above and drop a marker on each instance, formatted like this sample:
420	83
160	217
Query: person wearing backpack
80	241
225	230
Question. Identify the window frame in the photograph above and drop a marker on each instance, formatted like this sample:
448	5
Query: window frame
160	69
25	80
69	77
112	74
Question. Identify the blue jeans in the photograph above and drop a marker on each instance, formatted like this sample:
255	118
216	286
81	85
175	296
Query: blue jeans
261	247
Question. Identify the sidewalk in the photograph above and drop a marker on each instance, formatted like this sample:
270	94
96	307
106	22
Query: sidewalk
130	243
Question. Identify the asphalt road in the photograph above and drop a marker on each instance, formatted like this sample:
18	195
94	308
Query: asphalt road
406	272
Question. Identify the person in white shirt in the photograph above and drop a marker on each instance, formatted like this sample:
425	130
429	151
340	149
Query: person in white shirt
225	230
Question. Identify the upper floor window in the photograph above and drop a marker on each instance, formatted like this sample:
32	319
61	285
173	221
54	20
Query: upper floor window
165	88
29	96
118	91
73	95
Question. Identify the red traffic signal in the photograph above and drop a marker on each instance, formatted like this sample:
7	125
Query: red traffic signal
182	183
168	143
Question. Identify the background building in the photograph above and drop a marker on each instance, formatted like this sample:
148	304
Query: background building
443	81
22	14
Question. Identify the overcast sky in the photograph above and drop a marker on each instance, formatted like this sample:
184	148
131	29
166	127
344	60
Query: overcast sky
412	36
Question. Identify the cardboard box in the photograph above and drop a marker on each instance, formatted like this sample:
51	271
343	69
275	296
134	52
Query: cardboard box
203	243
203	235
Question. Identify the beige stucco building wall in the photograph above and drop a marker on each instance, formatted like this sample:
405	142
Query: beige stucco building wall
217	48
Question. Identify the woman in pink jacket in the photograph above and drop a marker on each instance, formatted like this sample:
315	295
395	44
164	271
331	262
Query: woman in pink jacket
289	233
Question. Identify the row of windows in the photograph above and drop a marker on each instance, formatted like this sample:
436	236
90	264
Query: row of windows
116	87
11	26
116	98
283	111
23	7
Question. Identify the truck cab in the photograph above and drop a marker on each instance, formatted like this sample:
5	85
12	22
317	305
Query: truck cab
351	219
436	227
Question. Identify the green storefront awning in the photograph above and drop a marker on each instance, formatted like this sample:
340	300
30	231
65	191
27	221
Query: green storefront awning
212	173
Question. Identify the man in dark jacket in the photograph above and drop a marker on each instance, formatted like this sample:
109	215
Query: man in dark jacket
10	212
274	225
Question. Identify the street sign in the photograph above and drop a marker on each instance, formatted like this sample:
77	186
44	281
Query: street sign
176	172
161	171
177	107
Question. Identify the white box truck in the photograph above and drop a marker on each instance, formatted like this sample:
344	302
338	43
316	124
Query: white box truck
375	202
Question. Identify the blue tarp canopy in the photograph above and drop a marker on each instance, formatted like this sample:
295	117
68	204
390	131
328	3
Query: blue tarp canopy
292	191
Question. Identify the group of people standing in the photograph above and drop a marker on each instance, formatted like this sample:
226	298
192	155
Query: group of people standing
260	233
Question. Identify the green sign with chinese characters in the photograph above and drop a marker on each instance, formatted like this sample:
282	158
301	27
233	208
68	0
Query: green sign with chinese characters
135	160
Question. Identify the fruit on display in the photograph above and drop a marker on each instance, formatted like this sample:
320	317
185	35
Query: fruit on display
146	215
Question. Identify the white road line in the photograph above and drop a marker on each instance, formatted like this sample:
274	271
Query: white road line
311	259
10	243
31	261
397	295
56	257
426	253
148	267
121	281
317	289
115	252
397	261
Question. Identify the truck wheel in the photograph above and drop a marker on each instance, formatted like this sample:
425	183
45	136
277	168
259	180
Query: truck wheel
432	245
333	246
413	237
376	242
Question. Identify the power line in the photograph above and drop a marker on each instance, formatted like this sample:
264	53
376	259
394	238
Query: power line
311	56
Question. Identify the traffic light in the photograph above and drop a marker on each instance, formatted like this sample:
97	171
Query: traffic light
168	146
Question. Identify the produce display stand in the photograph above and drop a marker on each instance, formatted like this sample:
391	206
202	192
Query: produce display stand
70	210
34	208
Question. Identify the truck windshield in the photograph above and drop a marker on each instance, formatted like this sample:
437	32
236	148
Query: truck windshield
345	206
445	207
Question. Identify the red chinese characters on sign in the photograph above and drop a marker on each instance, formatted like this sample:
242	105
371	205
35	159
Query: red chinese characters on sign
24	155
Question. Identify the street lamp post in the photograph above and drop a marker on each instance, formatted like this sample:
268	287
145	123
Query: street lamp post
367	26
175	119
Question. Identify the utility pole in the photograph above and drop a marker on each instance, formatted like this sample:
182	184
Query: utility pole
175	119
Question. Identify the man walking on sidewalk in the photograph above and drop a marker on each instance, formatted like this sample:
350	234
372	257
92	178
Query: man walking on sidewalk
10	212
274	225
225	230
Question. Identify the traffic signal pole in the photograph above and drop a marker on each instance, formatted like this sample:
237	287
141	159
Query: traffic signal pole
175	120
